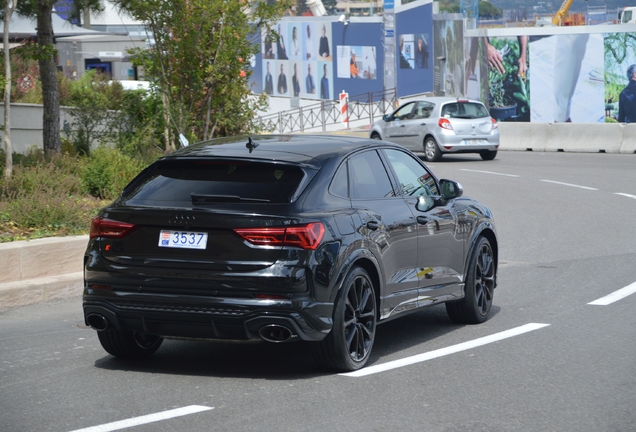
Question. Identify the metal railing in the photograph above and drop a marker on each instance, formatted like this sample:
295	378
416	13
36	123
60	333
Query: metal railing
366	106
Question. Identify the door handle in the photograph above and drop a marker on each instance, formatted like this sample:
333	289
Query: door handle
373	225
402	125
422	220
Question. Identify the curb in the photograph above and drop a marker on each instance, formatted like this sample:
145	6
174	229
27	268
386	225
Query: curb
23	293
40	270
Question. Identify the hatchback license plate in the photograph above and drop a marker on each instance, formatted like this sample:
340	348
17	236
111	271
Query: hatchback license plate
474	142
183	239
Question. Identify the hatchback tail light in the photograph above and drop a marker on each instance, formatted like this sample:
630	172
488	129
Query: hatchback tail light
102	227
495	125
444	123
303	236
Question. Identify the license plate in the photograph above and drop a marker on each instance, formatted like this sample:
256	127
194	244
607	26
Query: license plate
183	239
474	142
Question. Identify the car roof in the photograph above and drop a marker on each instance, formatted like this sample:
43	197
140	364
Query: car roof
301	149
440	100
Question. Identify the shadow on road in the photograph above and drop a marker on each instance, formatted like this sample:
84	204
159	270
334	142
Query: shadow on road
287	361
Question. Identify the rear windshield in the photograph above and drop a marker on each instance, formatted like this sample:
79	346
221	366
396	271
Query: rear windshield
187	182
469	110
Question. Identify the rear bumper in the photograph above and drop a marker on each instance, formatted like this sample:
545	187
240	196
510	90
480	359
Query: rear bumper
451	143
463	147
200	317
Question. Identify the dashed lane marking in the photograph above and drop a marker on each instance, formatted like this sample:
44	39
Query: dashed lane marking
625	195
490	172
150	418
615	296
569	184
445	351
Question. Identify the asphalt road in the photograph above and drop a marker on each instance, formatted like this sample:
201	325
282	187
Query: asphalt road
567	238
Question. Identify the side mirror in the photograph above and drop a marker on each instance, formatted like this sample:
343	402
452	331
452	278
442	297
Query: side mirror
451	189
386	117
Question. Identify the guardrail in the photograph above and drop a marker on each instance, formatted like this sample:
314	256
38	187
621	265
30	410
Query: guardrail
366	106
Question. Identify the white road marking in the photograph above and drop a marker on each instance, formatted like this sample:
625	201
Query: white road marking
569	184
626	195
445	351
490	172
150	418
615	296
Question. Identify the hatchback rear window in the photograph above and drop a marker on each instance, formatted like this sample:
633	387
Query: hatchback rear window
468	110
186	182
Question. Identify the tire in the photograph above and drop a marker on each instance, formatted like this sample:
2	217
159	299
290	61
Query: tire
348	346
432	153
375	136
479	287
128	344
487	154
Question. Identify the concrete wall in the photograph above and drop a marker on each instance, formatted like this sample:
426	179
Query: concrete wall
569	137
26	125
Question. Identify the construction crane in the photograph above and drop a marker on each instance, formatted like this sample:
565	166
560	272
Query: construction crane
559	17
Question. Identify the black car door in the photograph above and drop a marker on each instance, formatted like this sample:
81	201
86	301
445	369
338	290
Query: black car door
389	227
440	248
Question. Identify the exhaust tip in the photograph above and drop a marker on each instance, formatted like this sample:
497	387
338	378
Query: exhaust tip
97	322
277	333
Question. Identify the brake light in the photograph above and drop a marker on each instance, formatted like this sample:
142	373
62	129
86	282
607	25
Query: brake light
444	123
102	227
303	236
495	125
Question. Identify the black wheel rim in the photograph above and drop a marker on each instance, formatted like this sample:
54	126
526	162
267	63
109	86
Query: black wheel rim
359	319
484	279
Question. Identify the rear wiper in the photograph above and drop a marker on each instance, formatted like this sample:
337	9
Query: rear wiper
203	198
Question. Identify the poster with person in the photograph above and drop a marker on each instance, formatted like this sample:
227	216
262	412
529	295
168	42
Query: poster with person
567	78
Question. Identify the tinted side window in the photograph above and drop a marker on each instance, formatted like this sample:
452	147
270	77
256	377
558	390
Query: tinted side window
414	178
368	177
339	186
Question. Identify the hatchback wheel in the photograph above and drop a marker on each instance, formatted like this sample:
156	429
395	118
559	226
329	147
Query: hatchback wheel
487	154
349	344
375	136
432	152
128	344
479	289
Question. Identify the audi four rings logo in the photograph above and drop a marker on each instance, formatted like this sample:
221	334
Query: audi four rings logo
181	219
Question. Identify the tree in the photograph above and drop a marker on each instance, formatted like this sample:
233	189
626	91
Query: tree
199	61
9	7
488	10
45	54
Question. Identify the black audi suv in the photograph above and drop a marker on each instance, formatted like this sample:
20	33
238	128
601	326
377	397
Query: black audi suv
285	238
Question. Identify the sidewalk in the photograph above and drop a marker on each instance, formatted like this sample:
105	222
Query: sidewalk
41	270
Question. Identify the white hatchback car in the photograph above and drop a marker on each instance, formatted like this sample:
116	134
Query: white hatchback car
438	125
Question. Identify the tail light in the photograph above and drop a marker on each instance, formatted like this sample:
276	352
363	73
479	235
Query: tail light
495	125
303	236
444	123
102	227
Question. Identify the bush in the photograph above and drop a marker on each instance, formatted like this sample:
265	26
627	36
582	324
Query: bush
60	196
107	172
44	198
